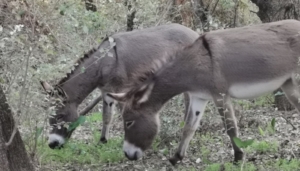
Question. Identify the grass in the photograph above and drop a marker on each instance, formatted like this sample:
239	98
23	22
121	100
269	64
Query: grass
279	165
263	147
80	152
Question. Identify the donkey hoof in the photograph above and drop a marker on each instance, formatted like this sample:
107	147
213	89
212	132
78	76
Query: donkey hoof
103	140
173	160
238	156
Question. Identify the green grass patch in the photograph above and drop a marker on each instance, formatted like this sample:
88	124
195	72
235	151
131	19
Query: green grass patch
230	167
285	165
263	147
94	117
81	153
262	101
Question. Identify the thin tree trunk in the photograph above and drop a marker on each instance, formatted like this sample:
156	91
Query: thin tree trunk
14	156
130	15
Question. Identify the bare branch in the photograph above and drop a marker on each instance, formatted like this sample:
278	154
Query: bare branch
90	106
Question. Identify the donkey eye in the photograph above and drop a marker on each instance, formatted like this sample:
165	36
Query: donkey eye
129	124
59	117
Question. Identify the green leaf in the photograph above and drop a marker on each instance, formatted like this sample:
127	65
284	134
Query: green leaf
82	69
261	131
38	132
85	29
273	124
278	93
242	144
182	124
78	122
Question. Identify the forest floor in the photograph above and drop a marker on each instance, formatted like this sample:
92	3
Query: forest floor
209	150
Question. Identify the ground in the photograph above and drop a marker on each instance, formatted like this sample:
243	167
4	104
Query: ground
209	150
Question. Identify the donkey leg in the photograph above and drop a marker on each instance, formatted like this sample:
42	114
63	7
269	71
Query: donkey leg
292	92
226	110
107	114
192	119
186	104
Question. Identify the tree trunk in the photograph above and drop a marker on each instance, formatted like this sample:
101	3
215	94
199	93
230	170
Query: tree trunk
200	18
13	157
130	14
182	12
275	10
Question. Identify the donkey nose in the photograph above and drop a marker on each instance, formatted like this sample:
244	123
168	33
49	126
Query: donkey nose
133	157
53	144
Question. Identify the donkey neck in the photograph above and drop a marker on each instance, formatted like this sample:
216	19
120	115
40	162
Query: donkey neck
86	77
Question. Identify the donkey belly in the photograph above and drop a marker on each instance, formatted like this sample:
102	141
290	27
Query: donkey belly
255	89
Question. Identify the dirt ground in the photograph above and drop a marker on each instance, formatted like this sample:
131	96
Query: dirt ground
210	144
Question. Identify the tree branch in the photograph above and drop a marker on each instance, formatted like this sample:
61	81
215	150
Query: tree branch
90	106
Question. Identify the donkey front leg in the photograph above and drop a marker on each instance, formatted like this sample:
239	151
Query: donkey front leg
193	116
107	114
226	111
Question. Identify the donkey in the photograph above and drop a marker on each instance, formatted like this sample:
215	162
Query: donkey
241	63
111	72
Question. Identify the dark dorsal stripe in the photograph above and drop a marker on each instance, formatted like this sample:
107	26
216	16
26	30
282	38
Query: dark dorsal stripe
77	63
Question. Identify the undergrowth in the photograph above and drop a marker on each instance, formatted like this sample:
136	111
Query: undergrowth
82	152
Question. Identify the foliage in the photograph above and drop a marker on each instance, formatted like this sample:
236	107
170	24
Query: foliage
41	40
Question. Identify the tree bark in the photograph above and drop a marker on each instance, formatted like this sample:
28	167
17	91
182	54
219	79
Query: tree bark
275	10
13	157
200	18
182	12
130	15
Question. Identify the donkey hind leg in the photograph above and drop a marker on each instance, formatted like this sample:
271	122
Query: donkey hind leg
192	119
292	92
107	115
226	111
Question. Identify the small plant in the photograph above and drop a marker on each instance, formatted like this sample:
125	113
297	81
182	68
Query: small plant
264	146
269	129
285	165
246	167
213	167
205	154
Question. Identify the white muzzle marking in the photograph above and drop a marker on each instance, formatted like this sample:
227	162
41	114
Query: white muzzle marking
132	150
56	138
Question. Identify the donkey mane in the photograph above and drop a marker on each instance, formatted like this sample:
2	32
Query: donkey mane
77	64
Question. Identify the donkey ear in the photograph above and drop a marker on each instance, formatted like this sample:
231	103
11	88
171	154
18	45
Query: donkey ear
47	87
143	94
121	97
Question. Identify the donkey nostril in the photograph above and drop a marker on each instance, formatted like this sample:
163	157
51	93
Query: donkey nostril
135	156
126	155
53	144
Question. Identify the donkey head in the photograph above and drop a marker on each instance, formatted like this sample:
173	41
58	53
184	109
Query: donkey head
65	112
141	121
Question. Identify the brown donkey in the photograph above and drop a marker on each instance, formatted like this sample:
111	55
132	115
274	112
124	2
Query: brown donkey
110	73
241	63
